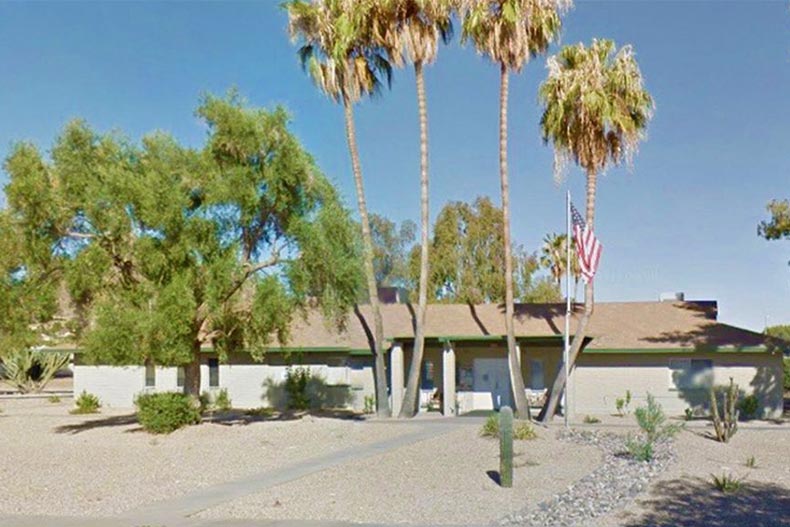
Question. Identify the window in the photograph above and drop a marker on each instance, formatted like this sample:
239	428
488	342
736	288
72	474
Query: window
213	373
536	380
686	374
150	375
180	374
426	379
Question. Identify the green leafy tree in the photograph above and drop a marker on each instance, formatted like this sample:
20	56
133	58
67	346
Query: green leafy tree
346	63
392	245
596	111
412	29
467	256
169	249
510	33
778	227
553	256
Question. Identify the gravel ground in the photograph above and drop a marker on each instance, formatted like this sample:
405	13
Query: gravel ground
610	486
683	496
61	464
437	481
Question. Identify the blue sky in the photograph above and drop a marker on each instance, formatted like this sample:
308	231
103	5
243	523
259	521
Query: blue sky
684	219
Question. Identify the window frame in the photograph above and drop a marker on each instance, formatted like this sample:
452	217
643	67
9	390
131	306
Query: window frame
685	368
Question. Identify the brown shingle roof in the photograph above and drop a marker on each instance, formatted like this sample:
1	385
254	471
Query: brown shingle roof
614	325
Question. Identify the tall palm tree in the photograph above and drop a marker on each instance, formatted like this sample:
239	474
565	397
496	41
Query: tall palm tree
553	256
336	50
412	29
596	111
510	33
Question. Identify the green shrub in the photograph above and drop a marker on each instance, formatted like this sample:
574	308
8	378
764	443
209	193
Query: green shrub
370	404
204	400
590	420
652	421
222	401
54	399
165	412
726	482
522	430
751	462
491	426
86	403
786	364
623	403
749	407
688	414
296	381
640	449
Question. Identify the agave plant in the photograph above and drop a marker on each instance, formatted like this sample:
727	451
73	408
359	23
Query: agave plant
29	371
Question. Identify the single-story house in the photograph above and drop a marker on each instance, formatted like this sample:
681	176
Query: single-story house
663	348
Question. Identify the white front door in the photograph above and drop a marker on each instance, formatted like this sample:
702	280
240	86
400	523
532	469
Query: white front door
492	376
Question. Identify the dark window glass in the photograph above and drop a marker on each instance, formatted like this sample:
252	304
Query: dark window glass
180	376
213	372
150	375
427	377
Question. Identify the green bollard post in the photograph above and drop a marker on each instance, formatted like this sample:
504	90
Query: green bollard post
506	447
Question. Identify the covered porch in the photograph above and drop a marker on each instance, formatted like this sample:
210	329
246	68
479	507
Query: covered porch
465	374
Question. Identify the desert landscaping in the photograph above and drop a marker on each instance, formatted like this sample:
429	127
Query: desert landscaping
349	468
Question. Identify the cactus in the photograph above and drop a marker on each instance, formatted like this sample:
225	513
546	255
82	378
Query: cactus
725	426
506	446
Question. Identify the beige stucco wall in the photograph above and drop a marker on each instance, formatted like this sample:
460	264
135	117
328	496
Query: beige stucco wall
346	380
599	379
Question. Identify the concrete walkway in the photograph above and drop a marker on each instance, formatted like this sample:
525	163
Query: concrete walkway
180	510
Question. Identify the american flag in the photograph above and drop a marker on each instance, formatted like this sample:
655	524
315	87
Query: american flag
588	249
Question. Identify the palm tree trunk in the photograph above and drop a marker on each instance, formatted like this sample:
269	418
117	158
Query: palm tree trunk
550	408
516	379
380	365
410	399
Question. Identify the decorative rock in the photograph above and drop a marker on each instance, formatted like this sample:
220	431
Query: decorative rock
611	486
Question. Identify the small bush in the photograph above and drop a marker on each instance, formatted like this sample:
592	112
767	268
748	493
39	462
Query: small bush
165	412
296	381
204	400
86	403
726	482
222	401
590	420
749	407
370	404
689	414
490	427
652	420
623	403
786	367
751	462
522	430
639	449
54	399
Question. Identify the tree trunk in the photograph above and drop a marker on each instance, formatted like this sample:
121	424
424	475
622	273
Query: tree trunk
516	378
550	408
410	398
380	365
192	372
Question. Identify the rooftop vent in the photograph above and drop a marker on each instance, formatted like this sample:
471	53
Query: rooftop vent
677	296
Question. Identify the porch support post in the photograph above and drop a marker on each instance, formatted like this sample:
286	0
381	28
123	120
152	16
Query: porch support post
448	380
396	377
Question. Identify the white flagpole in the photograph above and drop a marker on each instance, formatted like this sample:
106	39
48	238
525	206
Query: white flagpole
566	348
